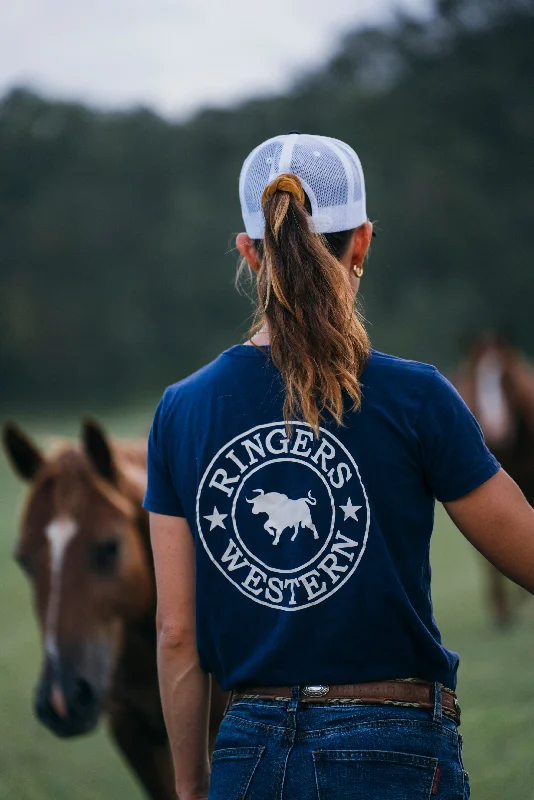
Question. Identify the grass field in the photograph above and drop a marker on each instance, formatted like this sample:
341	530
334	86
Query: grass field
496	686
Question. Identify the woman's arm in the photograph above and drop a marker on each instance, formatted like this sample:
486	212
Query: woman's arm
184	686
499	522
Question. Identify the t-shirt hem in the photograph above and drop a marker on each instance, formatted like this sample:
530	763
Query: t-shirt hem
162	508
471	481
447	679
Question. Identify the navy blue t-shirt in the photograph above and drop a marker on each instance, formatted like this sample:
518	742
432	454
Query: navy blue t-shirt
312	554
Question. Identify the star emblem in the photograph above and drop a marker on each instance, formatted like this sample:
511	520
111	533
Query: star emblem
216	519
350	510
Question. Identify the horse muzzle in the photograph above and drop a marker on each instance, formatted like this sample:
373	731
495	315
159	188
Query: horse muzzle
66	703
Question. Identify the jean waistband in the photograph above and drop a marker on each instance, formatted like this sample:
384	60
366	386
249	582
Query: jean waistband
407	693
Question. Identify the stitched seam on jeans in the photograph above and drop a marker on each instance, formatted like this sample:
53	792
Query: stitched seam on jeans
246	723
282	771
376	756
374	702
397	723
258	759
332	731
253	754
318	781
236	753
347	701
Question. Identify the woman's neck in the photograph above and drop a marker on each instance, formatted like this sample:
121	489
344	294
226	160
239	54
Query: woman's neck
261	338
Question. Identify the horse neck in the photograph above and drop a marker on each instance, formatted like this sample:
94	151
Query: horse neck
519	381
131	459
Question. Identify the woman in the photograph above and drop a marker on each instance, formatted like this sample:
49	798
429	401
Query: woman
291	488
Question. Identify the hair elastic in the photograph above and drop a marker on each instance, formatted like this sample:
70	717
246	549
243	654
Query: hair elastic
284	183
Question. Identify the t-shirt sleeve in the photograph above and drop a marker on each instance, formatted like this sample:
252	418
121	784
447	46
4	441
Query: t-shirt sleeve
455	457
161	495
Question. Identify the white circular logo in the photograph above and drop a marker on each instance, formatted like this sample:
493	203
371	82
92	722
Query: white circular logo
285	520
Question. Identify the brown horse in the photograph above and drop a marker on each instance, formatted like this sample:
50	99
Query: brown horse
84	544
497	384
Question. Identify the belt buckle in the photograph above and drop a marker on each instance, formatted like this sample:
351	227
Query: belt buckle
315	691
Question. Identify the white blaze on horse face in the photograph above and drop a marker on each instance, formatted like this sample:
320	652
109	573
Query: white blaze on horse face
492	409
59	533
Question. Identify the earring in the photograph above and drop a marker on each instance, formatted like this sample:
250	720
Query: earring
358	270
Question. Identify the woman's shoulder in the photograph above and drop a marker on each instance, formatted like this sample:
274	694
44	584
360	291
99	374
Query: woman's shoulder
391	380
213	374
388	367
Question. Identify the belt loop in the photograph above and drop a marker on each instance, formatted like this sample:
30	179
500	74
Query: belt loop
295	697
438	709
292	708
293	701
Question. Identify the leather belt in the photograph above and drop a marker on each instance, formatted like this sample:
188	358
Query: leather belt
410	693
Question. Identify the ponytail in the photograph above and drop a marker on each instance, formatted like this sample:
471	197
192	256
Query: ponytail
318	341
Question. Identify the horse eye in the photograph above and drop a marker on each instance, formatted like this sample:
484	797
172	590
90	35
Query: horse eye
104	556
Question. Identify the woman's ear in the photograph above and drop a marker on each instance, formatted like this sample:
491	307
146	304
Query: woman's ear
361	241
246	247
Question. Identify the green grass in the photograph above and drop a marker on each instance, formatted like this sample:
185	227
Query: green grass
496	686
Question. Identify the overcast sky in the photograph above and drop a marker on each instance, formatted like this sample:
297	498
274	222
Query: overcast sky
173	55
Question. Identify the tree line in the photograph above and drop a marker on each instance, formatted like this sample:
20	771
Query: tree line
117	256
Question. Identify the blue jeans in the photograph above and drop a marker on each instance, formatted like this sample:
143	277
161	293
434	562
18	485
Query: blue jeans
289	750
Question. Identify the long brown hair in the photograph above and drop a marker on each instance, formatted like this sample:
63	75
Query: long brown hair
318	340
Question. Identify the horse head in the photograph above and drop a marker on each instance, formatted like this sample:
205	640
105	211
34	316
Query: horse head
491	361
83	544
497	385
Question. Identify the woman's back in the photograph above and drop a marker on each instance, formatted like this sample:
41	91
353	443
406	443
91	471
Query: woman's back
313	553
292	491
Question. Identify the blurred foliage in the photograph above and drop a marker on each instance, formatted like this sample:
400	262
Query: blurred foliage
116	230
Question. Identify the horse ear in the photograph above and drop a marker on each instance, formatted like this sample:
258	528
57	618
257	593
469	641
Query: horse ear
98	450
24	455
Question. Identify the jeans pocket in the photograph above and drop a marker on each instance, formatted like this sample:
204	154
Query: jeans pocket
373	775
232	769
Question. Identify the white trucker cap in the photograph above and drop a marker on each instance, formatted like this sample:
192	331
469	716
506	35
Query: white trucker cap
329	170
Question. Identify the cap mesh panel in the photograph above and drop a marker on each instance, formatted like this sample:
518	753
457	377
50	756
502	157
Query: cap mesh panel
323	170
356	175
264	162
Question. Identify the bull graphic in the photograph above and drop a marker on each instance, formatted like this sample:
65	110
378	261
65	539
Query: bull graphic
283	513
